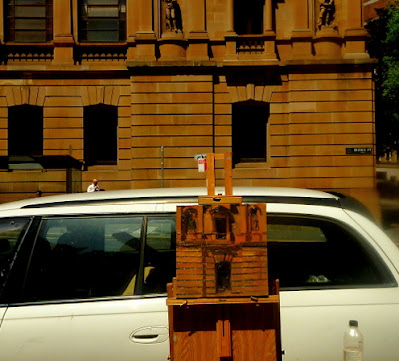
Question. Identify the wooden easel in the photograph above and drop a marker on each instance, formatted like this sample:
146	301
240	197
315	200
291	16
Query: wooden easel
228	198
221	304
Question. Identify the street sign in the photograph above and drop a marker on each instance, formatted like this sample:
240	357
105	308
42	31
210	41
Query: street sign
359	150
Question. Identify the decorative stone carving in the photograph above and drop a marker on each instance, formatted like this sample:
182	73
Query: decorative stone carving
173	19
326	15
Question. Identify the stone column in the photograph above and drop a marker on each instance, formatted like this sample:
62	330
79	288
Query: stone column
268	32
63	38
145	35
231	36
230	16
132	26
2	17
302	34
354	34
268	16
352	11
197	37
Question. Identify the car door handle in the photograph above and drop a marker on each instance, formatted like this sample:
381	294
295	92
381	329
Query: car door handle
150	335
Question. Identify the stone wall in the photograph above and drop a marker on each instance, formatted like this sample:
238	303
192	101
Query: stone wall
175	90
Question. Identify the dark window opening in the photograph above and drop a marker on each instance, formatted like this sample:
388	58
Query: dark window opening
91	257
29	21
102	20
223	276
125	255
25	130
248	16
312	253
100	134
249	132
221	228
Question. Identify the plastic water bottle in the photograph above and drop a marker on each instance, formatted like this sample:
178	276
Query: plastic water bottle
353	343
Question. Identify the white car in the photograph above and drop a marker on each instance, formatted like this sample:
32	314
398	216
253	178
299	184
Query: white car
83	276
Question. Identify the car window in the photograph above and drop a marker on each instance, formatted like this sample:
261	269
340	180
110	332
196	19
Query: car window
91	257
11	231
318	253
160	254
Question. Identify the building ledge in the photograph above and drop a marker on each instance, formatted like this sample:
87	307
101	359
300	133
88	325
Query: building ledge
43	162
354	59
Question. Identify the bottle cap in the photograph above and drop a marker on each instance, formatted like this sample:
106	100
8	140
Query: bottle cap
353	323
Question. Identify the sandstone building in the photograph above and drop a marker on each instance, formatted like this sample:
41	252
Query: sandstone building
370	6
128	91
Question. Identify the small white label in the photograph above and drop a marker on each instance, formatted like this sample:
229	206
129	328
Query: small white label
201	165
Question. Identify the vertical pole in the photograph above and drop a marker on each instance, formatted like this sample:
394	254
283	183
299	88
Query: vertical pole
210	174
162	166
68	180
228	183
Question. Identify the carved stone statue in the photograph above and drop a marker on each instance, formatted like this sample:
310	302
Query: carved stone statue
327	14
173	16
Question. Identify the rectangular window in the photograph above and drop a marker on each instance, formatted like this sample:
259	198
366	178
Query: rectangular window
100	134
248	16
313	253
102	20
91	257
25	130
249	132
29	21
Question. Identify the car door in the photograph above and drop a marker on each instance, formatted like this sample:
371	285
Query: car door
331	272
95	290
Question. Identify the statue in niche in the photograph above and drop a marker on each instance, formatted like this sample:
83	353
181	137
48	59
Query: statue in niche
173	16
326	15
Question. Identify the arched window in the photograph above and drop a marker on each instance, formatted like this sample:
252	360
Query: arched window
100	134
25	130
28	21
249	132
102	20
248	16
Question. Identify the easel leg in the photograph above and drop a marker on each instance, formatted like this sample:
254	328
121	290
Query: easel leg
223	330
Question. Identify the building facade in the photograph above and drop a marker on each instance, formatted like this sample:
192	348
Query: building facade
129	91
370	6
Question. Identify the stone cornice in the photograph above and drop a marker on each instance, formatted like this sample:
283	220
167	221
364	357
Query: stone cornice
28	70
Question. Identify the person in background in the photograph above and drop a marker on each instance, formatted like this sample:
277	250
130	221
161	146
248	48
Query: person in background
93	187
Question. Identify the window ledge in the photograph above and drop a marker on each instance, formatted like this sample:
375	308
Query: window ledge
100	43
44	44
253	165
102	167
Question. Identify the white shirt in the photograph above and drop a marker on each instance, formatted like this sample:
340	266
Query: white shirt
93	188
